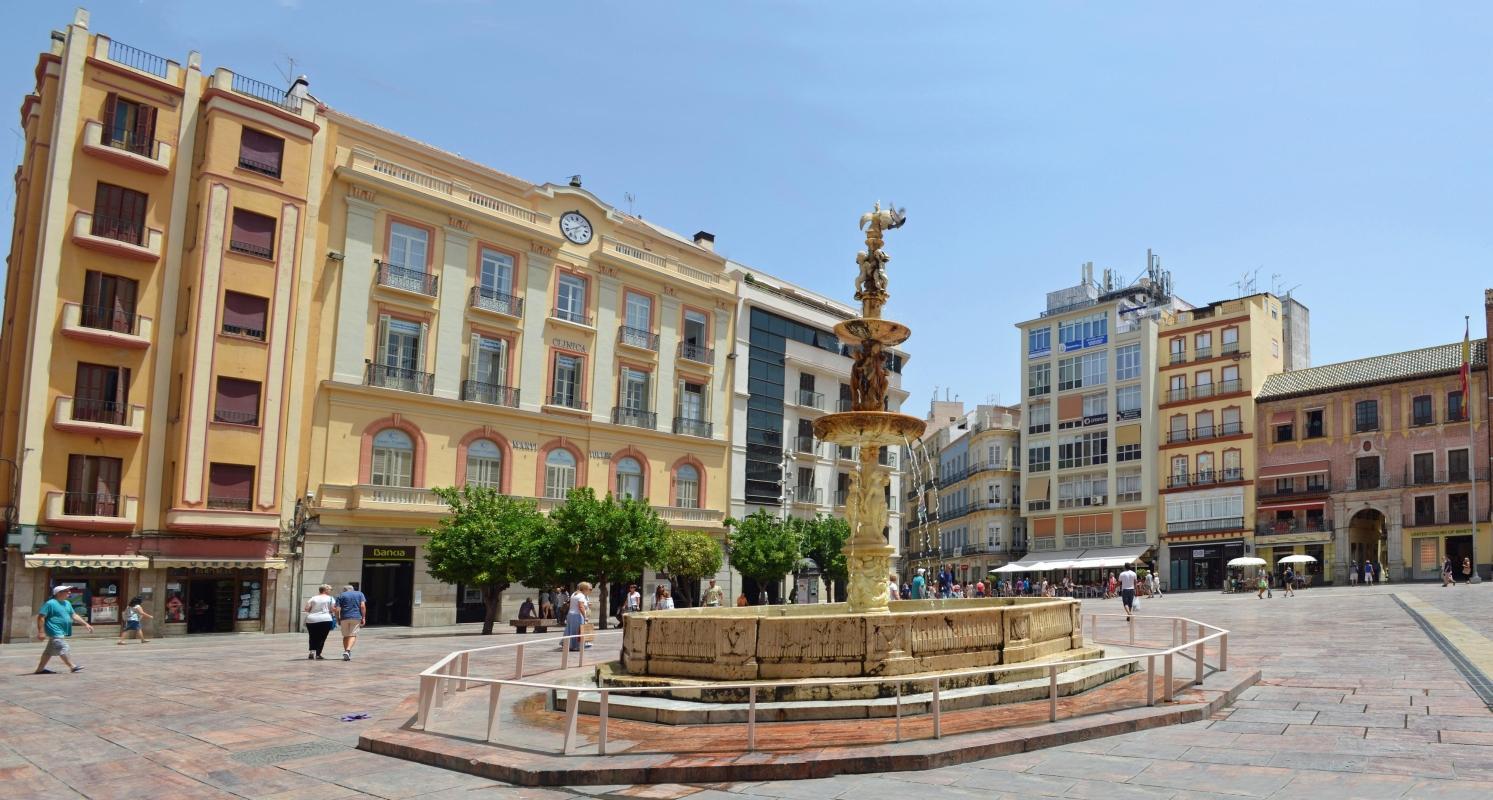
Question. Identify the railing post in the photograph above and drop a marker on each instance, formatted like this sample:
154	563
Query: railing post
565	652
580	653
751	719
572	705
462	685
601	726
899	711
427	697
1201	650
1223	652
1150	680
1166	686
1131	626
937	711
1052	693
492	709
518	663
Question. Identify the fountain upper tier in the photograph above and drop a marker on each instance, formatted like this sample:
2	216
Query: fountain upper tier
868	428
882	331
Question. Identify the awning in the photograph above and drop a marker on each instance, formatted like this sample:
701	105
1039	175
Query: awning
1127	434
220	563
1296	506
1057	559
69	561
1282	417
1108	557
1299	468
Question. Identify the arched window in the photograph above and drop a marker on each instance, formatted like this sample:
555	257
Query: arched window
629	478
559	473
485	464
393	459
687	487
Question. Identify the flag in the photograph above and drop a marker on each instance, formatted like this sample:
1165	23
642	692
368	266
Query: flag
1466	366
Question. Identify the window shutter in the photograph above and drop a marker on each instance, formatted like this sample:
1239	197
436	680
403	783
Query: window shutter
420	350
76	466
501	378
381	344
109	104
145	130
474	362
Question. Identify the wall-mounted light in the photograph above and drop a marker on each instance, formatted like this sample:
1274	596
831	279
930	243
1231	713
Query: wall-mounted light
334	255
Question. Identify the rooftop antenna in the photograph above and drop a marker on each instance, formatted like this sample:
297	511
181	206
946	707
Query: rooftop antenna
287	72
629	197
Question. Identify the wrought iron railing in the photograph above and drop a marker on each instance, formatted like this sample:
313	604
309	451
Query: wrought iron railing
637	337
269	94
490	393
496	301
635	417
127	141
567	401
235	417
108	318
261	167
239	330
410	280
692	427
123	229
135	58
108	412
250	249
696	352
92	504
388	376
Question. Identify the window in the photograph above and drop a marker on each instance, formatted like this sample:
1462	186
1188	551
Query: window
253	234
119	214
1285	485
393	459
1421	410
409	246
1456	465
260	152
1176	388
495	282
1039	459
1084	370
1038	379
1202	345
559	474
1230	338
1229	380
1095	408
1127	362
1366	472
1275	347
1205	511
691	408
565	386
629	478
1366	416
1084	331
489	364
101	393
1202	384
695	342
1457	509
1285	432
1179	467
93	487
1314	427
1233	465
238	402
1205	468
1177	429
1078	491
633	397
109	302
400	355
570	299
1456	409
1039	417
244	315
129	125
1084	449
230	486
1038	342
1425	510
1177	349
485	464
637	322
1127	487
1095	369
686	487
1232	425
1204	426
1423	467
1316	483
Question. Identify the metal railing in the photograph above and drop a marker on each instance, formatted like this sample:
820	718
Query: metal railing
496	301
490	393
92	504
250	249
1228	348
388	376
693	427
811	399
637	337
120	229
1200	525
260	90
1272	492
635	417
261	167
108	412
1444	516
1294	525
135	58
235	417
1154	640
1440	476
228	503
807	494
566	315
238	330
1200	353
108	318
127	141
410	280
698	353
566	401
803	444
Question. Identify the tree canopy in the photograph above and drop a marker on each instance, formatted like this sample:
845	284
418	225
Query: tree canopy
689	556
604	539
763	547
824	541
487	542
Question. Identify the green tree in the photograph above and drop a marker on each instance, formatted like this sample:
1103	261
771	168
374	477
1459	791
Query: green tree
824	541
763	547
486	542
604	539
689	556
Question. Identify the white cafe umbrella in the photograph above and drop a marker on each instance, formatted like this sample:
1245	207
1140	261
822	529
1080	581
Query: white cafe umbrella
1297	559
1247	561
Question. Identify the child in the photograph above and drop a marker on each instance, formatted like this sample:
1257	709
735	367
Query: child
132	614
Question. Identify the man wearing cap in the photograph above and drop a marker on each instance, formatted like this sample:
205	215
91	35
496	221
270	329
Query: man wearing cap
54	623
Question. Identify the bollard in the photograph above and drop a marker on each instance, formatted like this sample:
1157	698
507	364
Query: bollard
1052	693
492	709
601	726
1223	652
518	663
1150	680
937	712
572	705
899	711
1166	685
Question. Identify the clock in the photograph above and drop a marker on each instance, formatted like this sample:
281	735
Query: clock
575	227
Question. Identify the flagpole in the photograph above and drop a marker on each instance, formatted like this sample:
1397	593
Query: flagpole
1471	442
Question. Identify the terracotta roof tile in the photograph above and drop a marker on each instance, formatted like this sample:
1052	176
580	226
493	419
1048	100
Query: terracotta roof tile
1438	360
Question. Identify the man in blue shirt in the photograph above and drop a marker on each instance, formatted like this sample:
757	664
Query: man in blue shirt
54	623
352	609
918	582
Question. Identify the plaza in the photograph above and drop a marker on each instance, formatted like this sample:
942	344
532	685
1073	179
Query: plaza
1366	706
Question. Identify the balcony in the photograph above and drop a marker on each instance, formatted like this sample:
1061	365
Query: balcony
92	511
699	354
693	427
1442	476
1229	348
1202	353
1295	525
634	417
264	92
1205	525
398	177
404	279
106	49
224	503
1205	432
811	399
576	318
108	326
99	417
383	498
804	444
1443	516
496	302
249	418
121	147
1294	491
569	402
250	249
490	393
1368	483
808	495
126	238
265	168
386	376
637	339
682	514
632	255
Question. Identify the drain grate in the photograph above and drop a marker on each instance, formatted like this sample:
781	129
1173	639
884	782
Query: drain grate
268	756
1475	677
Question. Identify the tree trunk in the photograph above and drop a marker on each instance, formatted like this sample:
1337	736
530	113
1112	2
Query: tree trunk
492	601
606	594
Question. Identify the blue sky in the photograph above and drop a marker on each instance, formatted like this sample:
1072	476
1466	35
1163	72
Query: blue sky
1343	146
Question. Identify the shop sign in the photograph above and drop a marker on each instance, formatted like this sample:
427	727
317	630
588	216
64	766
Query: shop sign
381	552
517	445
1094	341
1095	419
175	611
1200	554
104	609
566	344
601	455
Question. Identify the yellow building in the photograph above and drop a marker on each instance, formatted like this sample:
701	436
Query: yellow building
159	232
1211	362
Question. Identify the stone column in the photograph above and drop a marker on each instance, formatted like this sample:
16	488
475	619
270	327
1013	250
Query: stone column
531	357
1395	545
1340	530
352	294
603	360
668	344
449	322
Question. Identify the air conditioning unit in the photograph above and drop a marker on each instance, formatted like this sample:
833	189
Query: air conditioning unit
1097	500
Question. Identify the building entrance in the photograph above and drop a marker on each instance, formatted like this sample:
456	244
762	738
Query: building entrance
389	584
210	605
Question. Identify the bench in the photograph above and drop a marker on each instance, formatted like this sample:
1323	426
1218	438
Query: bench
523	625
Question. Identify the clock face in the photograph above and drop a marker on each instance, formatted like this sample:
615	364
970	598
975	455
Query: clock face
575	227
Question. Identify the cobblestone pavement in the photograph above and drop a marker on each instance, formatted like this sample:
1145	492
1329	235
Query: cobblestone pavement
1357	700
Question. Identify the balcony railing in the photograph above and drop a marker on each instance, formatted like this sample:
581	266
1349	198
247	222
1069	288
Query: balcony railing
567	401
92	504
409	280
1442	516
693	427
1228	348
635	417
250	249
636	337
228	503
127	141
496	301
1365	483
807	494
1205	432
135	58
490	393
1177	358
120	229
811	399
696	352
803	444
1273	492
1295	525
269	94
235	417
573	317
109	318
261	167
1200	353
1202	525
108	412
1038	505
1440	476
387	376
239	330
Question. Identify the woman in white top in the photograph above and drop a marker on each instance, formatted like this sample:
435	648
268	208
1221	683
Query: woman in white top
663	599
319	620
580	609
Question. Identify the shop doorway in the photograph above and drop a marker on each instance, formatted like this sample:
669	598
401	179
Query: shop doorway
210	605
1365	533
1457	548
390	588
469	605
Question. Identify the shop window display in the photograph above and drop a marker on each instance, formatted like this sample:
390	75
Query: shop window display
96	599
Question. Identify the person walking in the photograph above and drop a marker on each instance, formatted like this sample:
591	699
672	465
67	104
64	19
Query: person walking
1353	573
579	609
891	587
352	610
635	599
918	584
54	623
1288	581
715	596
561	604
319	621
1127	591
661	599
1262	585
132	614
1466	570
1368	573
1446	573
